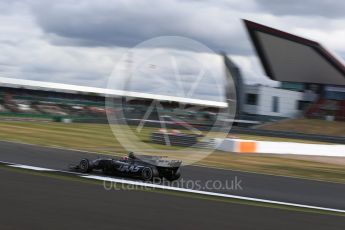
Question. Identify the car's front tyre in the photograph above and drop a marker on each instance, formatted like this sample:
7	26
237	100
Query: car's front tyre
84	166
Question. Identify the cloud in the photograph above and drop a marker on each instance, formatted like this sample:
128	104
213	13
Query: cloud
306	8
127	23
26	54
171	72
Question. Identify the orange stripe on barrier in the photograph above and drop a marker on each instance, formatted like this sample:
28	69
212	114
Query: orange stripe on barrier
247	147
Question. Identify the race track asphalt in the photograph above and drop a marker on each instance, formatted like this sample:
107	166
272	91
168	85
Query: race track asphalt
285	189
41	202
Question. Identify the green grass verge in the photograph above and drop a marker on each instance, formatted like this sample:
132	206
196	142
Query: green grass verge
308	126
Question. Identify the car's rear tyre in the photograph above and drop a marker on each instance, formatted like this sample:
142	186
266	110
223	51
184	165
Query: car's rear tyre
147	174
172	175
84	166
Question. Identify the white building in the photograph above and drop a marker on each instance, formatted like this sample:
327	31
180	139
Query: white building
274	102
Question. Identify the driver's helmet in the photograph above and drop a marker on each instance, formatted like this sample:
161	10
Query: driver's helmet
131	155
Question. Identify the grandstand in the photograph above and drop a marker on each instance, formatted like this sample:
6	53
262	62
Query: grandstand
59	102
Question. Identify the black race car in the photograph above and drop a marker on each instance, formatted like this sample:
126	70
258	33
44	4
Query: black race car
141	167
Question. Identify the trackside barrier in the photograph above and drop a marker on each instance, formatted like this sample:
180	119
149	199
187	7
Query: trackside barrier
250	146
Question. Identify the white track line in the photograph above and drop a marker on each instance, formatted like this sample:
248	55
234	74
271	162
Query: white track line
32	168
148	185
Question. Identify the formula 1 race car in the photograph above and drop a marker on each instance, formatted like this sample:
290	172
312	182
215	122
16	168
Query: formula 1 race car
141	167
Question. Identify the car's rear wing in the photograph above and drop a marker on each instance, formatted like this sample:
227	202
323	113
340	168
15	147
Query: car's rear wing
160	161
169	163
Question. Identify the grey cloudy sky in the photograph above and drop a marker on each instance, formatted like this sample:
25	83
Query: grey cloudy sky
80	41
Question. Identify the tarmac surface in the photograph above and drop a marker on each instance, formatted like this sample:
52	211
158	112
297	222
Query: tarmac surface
42	202
277	188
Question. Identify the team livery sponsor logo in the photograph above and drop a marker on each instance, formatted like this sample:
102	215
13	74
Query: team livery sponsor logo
129	168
